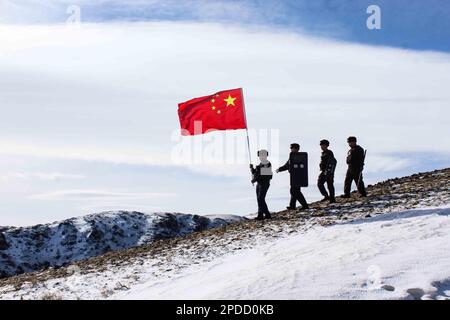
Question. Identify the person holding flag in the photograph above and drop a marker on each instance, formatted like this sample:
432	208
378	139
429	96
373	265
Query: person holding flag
225	110
262	175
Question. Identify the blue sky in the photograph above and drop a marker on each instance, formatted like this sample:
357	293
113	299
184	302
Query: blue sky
413	24
89	115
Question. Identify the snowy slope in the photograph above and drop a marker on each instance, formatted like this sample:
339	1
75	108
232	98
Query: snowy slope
409	251
33	248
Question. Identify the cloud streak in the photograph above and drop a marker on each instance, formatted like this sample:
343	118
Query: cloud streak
55	11
82	153
46	176
97	195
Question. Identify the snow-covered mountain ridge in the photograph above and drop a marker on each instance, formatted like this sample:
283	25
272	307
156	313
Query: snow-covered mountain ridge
38	247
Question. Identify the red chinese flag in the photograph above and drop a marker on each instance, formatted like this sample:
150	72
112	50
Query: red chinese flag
220	111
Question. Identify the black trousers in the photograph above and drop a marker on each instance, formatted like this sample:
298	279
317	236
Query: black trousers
297	195
261	192
356	176
329	180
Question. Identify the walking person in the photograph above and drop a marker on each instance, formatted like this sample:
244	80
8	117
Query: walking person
262	175
355	162
294	167
327	167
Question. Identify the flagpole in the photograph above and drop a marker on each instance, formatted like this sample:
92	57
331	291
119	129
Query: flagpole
246	126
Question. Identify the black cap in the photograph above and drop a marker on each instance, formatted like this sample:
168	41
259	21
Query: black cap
351	139
325	142
295	146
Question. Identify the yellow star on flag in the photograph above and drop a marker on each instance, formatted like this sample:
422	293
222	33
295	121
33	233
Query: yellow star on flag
229	100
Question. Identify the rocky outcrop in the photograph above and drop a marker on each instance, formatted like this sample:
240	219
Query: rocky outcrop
3	244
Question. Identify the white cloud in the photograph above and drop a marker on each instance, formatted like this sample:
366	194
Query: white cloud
97	195
55	11
379	163
48	176
81	152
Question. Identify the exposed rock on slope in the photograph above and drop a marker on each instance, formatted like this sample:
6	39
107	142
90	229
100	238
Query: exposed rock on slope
3	244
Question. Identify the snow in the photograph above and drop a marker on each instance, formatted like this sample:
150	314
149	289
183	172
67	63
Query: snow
408	251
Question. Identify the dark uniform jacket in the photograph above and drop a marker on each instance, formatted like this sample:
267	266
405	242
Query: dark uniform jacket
287	165
262	173
327	162
355	159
